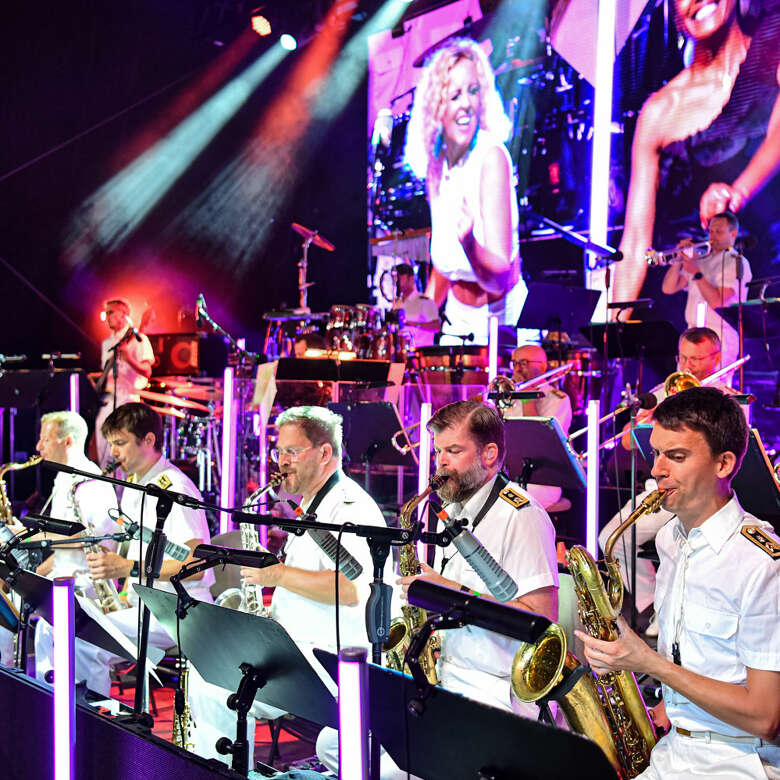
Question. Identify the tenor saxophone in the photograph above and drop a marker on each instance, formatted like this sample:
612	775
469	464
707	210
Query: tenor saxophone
6	509
181	734
598	605
412	618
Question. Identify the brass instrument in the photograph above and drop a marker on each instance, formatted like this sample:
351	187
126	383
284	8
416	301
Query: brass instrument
677	255
249	597
107	596
598	605
6	510
413	618
182	715
504	385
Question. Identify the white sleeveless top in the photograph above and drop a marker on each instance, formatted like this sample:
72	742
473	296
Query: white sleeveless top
463	179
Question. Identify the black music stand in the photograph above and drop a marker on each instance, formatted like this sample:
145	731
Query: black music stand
634	339
557	307
227	647
334	370
369	427
760	317
536	447
499	745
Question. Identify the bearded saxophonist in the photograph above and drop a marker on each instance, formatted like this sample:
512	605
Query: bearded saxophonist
62	439
718	604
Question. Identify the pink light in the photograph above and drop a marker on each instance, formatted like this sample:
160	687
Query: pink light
353	716
262	476
228	475
64	710
592	479
492	348
424	468
73	382
701	314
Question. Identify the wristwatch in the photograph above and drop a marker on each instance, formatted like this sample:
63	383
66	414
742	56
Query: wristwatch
698	275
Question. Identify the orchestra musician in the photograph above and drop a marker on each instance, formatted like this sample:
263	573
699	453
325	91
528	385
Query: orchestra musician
528	362
134	358
74	498
718	279
422	314
455	141
468	439
717	599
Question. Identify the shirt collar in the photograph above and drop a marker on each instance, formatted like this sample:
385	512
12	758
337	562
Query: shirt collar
717	529
153	472
474	504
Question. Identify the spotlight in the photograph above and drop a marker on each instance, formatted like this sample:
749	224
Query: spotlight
261	25
288	42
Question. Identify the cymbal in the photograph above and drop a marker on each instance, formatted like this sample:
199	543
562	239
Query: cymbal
314	236
198	392
169	411
172	400
469	30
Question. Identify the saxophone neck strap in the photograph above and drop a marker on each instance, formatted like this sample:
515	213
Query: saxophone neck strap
333	479
500	483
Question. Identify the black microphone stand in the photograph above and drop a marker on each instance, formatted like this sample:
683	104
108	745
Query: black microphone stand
739	260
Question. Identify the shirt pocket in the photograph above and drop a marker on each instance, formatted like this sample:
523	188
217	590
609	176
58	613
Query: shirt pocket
711	622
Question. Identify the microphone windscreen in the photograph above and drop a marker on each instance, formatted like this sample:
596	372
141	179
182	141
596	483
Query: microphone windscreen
647	401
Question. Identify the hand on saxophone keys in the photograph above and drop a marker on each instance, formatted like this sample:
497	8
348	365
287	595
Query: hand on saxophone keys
107	565
628	652
426	573
269	577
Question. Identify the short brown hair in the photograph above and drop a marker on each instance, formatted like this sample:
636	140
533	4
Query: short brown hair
485	424
714	415
697	335
136	418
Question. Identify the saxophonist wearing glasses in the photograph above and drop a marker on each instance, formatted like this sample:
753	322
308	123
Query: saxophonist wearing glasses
718	604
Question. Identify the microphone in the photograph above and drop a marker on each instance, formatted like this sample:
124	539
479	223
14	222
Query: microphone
501	618
200	310
645	401
14	358
498	582
132	329
61	356
328	543
51	525
255	559
445	319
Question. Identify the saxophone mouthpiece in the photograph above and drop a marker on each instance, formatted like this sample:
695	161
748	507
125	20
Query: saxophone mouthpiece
110	468
438	479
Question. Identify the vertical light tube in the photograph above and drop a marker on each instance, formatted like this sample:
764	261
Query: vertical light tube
592	479
73	382
492	348
64	709
227	495
353	714
602	137
424	469
262	468
701	314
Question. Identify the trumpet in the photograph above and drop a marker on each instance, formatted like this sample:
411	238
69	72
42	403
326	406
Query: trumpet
677	255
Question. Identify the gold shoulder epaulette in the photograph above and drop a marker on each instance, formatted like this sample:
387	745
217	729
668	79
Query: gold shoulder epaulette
511	496
761	539
164	481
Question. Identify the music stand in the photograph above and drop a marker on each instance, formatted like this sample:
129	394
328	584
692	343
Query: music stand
760	317
557	307
634	339
222	644
536	446
500	745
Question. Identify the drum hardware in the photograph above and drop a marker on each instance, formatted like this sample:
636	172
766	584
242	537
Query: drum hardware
677	255
309	237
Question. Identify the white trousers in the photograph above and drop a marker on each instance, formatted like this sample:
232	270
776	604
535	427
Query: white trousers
679	758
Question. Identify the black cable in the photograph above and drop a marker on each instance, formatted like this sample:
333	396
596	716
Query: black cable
336	589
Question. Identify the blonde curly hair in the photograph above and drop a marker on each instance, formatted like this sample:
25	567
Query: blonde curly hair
425	123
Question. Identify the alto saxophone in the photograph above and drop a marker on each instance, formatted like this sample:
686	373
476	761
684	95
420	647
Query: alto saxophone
598	605
105	590
6	509
249	597
412	618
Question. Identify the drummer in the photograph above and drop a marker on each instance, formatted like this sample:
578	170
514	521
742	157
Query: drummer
422	313
528	362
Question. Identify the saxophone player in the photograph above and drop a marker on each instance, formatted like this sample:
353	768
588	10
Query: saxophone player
717	599
62	439
468	439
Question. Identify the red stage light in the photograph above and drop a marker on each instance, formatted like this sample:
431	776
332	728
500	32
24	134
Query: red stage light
261	25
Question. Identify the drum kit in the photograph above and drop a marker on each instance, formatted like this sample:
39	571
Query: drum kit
191	410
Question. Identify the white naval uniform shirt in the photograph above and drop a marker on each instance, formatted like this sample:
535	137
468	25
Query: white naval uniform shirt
129	381
474	661
313	623
95	499
720	270
718	593
182	524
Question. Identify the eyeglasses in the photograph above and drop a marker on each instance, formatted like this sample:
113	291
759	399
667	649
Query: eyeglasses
293	453
523	363
686	359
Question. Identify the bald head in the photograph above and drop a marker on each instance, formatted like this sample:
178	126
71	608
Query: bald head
528	362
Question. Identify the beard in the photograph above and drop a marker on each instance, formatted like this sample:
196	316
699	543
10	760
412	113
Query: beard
460	487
